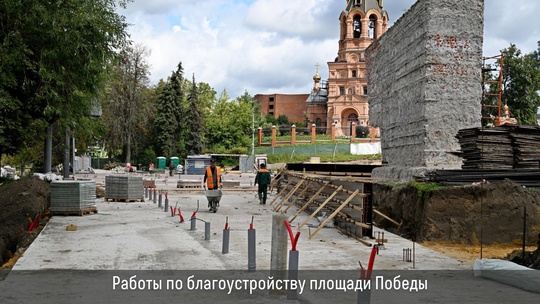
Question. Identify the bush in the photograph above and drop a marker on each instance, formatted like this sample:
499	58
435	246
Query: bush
149	156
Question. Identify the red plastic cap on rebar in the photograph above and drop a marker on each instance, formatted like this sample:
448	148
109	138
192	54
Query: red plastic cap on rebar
294	240
367	274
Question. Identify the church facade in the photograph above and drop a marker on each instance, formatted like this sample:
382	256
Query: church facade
342	98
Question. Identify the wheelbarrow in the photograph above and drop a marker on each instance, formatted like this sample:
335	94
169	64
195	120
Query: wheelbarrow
213	196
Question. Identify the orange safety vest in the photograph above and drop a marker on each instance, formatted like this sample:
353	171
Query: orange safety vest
210	178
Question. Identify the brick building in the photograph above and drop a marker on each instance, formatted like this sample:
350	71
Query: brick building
342	99
291	105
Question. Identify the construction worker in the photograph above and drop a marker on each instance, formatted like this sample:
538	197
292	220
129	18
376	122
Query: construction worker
263	178
212	176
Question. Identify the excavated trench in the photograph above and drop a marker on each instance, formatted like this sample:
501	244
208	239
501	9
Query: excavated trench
20	202
490	213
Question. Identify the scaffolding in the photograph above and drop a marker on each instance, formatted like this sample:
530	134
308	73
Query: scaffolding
344	202
492	89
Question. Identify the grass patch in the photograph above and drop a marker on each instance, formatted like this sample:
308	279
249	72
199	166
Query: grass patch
320	137
423	189
342	157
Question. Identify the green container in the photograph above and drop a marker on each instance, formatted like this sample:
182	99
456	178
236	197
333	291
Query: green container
161	162
175	160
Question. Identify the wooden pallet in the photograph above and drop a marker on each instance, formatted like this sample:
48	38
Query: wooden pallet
188	184
79	212
189	187
124	200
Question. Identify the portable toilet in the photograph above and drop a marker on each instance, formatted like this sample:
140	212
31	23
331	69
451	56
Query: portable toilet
161	162
260	159
175	160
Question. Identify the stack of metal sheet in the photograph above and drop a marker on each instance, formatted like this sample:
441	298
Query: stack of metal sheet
73	196
124	187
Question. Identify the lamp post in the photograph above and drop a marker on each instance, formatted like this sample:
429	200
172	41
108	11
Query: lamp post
253	131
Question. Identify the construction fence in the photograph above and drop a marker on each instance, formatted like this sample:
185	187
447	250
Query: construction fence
276	136
320	149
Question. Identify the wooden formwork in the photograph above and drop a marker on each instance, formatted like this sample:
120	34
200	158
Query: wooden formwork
346	200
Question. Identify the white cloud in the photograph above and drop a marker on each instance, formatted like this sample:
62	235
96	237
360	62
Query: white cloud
308	18
271	46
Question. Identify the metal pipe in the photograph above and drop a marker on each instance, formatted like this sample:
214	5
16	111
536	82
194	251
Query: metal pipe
252	261
206	231
193	223
524	235
225	246
293	273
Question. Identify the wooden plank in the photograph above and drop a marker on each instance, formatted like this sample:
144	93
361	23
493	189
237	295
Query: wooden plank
333	214
386	217
275	181
320	207
281	192
358	238
309	202
357	223
355	207
278	206
296	199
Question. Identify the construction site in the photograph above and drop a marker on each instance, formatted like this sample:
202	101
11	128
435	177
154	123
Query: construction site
155	237
451	214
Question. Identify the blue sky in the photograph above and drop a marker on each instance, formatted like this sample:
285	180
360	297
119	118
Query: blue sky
272	46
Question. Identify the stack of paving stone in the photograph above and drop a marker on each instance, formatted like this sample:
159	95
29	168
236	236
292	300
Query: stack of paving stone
73	196
124	188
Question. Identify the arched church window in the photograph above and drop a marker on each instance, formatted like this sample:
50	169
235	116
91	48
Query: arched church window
372	32
357	26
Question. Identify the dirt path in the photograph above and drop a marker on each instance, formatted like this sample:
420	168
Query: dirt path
469	253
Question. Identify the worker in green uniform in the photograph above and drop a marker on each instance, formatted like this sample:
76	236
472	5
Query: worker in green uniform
263	178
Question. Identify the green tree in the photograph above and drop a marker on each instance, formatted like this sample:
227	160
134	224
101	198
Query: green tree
52	62
230	122
170	112
521	83
362	131
127	108
194	122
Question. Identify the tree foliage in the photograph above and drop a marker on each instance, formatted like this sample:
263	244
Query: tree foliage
52	60
127	109
230	122
169	116
521	83
194	122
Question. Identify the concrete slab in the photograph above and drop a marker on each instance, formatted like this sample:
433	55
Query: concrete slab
140	236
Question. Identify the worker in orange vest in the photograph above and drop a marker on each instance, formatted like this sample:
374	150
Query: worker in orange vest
212	176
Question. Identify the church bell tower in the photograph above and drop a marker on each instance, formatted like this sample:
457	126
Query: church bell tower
361	22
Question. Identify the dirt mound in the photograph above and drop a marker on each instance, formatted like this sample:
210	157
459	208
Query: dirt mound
20	202
464	215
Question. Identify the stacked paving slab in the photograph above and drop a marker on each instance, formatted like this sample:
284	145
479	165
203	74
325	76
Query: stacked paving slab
73	197
124	188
